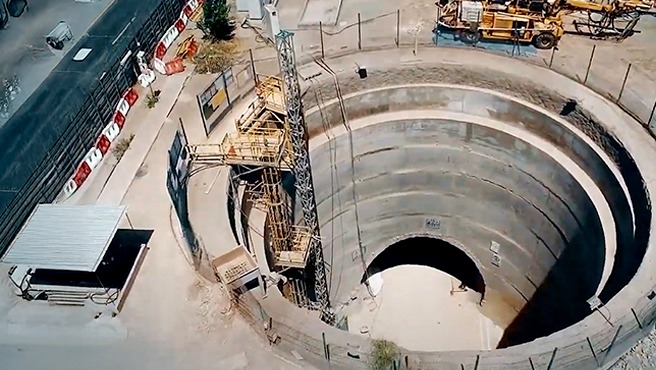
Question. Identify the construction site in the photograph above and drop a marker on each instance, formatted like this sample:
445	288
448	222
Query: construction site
513	200
473	192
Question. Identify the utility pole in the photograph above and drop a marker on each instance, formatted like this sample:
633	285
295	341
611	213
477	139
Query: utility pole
302	169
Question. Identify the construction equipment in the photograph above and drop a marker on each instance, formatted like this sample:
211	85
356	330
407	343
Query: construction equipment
539	22
476	20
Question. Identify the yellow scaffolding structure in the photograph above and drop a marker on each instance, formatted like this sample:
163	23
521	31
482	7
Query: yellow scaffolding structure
262	140
271	94
297	255
259	147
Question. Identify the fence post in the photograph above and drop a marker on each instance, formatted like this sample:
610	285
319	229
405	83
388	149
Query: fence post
325	350
592	350
530	362
553	51
328	356
437	25
587	72
651	115
553	357
612	342
323	54
398	27
626	76
250	54
478	359
359	33
636	315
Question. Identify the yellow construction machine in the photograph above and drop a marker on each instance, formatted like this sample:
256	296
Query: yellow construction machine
539	22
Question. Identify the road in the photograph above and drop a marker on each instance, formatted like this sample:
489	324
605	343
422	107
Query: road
24	51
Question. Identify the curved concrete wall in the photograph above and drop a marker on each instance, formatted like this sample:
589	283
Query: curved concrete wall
466	175
489	105
481	184
608	130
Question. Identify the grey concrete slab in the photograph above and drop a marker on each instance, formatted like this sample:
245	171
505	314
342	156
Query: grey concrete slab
324	11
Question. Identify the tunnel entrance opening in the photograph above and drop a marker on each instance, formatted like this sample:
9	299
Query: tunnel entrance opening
429	252
420	291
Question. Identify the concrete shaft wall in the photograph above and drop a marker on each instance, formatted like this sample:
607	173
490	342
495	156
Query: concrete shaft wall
612	165
483	185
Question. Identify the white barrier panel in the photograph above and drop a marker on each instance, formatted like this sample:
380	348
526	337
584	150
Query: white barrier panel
159	66
170	36
123	106
147	78
69	188
93	158
111	131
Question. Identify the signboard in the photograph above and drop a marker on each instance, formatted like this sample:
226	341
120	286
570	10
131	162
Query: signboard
222	94
176	184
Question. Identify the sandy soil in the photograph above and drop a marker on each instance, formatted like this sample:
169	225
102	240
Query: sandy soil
417	310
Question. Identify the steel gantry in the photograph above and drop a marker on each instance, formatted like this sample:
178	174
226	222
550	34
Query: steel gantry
271	137
301	168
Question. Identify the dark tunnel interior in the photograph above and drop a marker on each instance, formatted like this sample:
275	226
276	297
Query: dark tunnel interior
430	252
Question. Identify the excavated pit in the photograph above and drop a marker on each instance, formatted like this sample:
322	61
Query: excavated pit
549	207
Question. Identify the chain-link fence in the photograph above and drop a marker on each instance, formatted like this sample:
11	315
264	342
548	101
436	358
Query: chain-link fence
627	84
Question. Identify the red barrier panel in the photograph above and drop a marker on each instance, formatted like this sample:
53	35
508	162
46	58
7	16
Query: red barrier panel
179	25
82	173
103	144
160	51
188	11
119	119
131	96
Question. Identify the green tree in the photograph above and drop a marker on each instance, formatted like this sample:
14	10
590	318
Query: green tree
216	23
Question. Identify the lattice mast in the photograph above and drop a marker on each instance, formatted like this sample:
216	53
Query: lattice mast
302	169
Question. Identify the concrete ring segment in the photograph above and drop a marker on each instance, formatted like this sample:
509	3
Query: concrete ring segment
499	151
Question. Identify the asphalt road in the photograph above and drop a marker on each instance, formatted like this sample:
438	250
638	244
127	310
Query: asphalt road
23	48
31	135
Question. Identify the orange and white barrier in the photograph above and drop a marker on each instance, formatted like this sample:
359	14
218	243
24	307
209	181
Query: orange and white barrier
171	34
95	155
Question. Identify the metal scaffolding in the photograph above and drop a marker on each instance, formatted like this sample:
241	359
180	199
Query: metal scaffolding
261	144
301	168
271	136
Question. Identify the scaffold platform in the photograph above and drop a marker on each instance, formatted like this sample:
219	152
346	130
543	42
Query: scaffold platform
300	246
259	147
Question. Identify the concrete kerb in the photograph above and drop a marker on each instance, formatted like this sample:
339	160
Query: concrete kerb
566	338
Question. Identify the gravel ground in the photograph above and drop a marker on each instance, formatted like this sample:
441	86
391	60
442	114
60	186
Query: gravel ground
640	357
